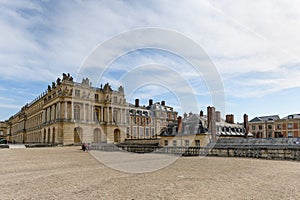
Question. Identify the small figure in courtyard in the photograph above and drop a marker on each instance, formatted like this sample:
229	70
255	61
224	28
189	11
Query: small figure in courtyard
88	147
83	146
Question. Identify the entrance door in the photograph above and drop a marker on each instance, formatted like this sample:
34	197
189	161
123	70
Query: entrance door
117	136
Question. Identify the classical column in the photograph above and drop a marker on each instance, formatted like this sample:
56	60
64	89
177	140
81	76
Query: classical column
43	116
53	112
72	110
112	115
121	115
101	114
107	112
66	110
125	116
58	111
49	114
91	113
84	112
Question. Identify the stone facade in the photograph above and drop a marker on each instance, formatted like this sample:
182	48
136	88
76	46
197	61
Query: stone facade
200	130
146	122
288	126
70	112
264	126
3	130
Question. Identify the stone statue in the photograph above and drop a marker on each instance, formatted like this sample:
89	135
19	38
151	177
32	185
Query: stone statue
58	81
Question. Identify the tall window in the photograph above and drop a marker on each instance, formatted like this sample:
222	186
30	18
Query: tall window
166	143
77	93
141	132
115	99
96	112
187	143
147	132
197	143
134	132
290	134
77	112
270	127
174	143
290	125
278	126
260	127
96	97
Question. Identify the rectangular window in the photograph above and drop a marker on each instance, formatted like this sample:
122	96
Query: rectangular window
96	97
260	127
134	132
278	126
115	99
290	134
127	131
270	127
187	143
1	132
147	132
77	93
166	142
197	143
290	125
174	143
141	132
253	128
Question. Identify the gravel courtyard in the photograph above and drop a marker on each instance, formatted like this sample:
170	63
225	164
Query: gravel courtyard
69	173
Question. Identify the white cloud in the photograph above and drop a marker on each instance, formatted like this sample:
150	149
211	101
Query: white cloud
39	40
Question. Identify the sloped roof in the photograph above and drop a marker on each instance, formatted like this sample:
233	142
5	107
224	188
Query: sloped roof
265	118
292	116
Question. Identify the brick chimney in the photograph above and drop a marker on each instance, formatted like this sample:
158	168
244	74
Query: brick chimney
230	119
137	103
246	125
163	103
179	122
211	121
150	102
218	116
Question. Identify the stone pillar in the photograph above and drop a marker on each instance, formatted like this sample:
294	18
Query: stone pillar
101	114
113	118
107	110
58	110
91	113
72	110
66	110
121	116
84	117
43	116
125	116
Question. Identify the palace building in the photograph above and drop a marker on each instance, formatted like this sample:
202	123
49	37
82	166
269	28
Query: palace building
71	113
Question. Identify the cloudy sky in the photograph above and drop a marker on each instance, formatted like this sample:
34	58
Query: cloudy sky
254	46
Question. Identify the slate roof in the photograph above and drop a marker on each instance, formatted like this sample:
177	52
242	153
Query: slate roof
265	118
292	116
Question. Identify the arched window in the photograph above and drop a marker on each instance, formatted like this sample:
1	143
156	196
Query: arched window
77	112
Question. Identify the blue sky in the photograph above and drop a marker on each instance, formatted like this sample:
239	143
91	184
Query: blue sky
254	45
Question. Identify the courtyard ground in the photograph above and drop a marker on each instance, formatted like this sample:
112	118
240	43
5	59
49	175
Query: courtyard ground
69	173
